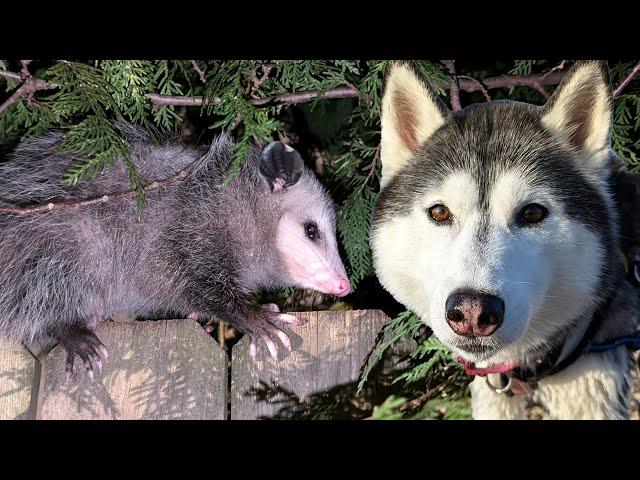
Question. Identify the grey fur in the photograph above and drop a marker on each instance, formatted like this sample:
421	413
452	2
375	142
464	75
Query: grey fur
199	246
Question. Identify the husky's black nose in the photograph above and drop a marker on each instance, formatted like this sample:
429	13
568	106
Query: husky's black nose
474	314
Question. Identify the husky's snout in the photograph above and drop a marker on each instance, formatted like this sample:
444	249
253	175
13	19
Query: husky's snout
471	313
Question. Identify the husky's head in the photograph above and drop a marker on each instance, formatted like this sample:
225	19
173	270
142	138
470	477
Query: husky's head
495	224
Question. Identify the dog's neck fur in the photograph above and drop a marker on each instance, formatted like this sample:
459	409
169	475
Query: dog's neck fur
616	316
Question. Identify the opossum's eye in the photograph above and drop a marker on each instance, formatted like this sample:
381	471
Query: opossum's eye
440	213
532	214
311	230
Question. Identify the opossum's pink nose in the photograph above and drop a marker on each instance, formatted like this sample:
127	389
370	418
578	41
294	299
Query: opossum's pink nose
336	284
343	288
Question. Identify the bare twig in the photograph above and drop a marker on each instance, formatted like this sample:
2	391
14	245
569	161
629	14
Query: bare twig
178	101
15	96
484	91
25	69
284	98
372	167
21	212
625	81
558	67
464	84
454	90
266	70
233	125
502	81
541	90
428	395
14	77
28	88
203	79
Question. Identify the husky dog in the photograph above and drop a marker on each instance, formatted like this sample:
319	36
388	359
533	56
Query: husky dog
497	225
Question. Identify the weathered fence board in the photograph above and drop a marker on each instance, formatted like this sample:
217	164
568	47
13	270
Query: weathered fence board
169	369
328	351
18	371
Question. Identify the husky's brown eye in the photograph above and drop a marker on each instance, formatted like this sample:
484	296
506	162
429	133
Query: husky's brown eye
532	214
311	230
439	213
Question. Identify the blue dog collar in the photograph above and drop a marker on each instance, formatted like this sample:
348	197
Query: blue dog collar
632	341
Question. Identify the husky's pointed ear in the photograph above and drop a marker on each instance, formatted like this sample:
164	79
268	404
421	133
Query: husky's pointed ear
281	165
580	110
411	112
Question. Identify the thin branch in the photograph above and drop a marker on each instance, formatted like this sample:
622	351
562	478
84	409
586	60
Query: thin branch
203	79
484	91
14	77
21	212
558	67
541	90
372	167
428	395
625	81
454	90
25	69
464	84
536	81
266	70
233	125
503	81
29	87
283	98
178	101
15	96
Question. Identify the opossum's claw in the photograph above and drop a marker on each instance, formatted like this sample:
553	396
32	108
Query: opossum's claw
290	319
84	344
265	324
284	338
273	350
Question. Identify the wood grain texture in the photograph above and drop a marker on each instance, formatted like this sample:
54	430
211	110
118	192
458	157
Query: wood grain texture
328	351
169	369
17	380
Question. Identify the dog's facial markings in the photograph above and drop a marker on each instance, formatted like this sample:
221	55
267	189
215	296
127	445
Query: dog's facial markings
522	191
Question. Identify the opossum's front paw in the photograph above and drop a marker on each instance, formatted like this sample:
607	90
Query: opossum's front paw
264	324
84	344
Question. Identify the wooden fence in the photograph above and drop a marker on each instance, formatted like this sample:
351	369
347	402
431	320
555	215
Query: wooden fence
173	369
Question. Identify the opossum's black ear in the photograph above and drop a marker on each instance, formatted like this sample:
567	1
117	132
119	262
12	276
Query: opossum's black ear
281	165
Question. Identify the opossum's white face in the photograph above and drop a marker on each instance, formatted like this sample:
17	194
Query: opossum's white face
494	222
306	231
309	250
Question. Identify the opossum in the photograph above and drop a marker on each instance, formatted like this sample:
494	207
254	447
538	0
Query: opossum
202	244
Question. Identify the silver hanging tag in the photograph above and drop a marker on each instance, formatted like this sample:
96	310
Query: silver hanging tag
505	383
